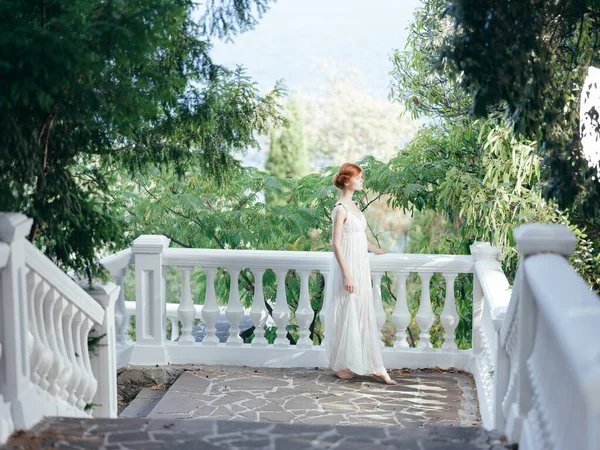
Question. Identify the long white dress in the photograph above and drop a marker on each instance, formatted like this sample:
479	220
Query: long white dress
351	337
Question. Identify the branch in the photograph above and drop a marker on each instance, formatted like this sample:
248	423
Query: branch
176	241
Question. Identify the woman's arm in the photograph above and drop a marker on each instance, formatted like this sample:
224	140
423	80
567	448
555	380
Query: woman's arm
339	218
373	248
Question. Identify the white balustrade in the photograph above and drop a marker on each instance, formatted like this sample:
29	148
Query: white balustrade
280	353
535	380
45	366
548	347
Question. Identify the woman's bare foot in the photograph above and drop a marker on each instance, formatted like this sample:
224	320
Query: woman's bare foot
344	374
385	377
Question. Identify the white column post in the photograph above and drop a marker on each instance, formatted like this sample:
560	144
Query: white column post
150	301
480	251
323	312
401	315
186	312
378	303
15	371
104	363
259	313
425	316
449	316
281	312
304	312
123	341
234	310
210	310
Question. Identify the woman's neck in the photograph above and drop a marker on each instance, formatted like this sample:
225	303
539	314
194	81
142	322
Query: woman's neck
346	196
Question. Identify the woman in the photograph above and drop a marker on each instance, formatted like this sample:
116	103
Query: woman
352	340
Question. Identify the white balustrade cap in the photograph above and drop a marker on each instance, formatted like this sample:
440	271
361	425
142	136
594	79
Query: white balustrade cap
14	225
534	238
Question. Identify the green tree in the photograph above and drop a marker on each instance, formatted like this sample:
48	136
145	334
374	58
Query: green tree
485	178
89	86
529	59
287	152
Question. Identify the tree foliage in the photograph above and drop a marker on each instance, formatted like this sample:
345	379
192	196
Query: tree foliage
86	87
287	153
485	178
530	58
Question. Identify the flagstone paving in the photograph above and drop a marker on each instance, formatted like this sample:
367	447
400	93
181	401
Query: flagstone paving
237	408
314	396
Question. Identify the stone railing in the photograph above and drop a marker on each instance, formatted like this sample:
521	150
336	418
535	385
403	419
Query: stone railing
548	361
149	257
45	321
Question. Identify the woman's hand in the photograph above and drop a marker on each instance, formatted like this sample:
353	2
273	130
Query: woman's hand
378	251
349	284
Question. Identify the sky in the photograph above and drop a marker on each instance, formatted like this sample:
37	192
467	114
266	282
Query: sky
295	36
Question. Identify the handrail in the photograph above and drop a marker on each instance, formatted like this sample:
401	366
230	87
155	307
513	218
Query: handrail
40	263
118	261
567	304
269	259
496	289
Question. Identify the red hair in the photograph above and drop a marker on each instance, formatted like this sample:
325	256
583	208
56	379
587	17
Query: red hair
347	171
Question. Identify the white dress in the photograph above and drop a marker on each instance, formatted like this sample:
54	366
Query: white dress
351	337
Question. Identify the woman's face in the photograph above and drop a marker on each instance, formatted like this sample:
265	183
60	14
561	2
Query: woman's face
356	183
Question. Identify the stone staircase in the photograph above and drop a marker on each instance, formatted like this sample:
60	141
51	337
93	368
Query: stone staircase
245	408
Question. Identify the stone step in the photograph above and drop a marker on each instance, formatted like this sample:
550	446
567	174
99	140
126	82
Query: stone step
145	434
312	396
143	403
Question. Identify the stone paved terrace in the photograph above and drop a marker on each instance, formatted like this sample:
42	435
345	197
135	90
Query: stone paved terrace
315	396
244	408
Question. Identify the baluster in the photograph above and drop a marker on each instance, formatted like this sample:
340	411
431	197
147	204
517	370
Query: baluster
79	335
174	328
259	312
425	315
379	311
121	314
186	312
60	311
401	316
234	310
69	326
34	287
45	360
304	312
51	325
210	310
449	316
323	312
89	383
281	312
